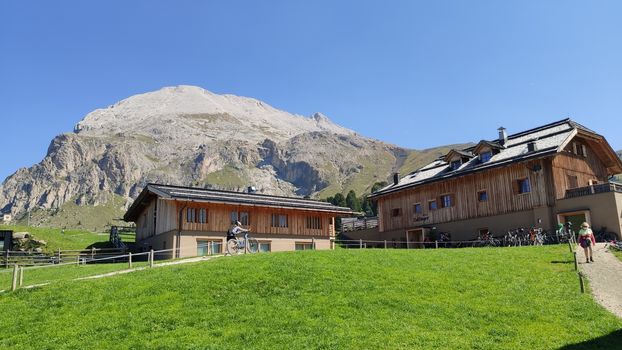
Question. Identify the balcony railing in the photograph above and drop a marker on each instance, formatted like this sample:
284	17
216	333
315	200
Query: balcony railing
355	224
594	189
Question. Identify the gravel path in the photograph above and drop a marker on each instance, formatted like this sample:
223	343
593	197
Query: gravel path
605	276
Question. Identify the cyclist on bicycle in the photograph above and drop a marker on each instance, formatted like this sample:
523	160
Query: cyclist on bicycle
236	228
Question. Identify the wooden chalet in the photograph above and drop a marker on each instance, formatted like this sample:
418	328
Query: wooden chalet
194	221
551	174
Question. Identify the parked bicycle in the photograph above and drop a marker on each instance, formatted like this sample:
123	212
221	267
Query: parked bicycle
238	245
603	236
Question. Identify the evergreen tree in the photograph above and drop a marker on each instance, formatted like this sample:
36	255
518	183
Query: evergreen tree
339	200
353	202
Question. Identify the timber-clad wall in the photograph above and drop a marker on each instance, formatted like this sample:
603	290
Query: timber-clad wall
260	220
218	219
584	168
499	183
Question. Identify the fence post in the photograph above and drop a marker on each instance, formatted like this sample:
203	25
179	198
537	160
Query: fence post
92	253
129	260
385	244
436	244
360	243
576	266
59	256
78	259
21	276
313	242
14	284
151	258
581	282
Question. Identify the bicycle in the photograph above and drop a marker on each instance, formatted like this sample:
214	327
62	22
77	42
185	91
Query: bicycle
237	245
603	236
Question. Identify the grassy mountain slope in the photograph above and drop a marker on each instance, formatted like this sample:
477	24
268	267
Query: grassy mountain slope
344	299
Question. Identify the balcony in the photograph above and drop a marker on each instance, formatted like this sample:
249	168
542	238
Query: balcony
594	189
356	224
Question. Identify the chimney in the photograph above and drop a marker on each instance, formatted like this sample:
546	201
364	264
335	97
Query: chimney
503	136
396	178
531	146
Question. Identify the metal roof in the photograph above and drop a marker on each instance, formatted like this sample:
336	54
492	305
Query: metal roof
547	139
195	194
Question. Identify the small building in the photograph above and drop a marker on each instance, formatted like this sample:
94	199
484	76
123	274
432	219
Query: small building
6	240
552	174
193	220
6	218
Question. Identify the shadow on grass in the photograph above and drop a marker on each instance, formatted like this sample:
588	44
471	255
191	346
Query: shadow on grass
611	341
561	262
99	245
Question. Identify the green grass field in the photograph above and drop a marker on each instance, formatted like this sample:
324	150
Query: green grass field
68	239
472	298
617	253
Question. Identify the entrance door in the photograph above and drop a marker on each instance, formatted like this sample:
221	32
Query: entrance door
576	220
415	238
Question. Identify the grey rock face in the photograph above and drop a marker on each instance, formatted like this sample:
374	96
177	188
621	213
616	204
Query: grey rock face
189	136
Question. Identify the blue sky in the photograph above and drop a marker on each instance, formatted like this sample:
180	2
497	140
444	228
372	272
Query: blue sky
417	74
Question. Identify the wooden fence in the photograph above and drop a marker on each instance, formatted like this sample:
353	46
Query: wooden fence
10	258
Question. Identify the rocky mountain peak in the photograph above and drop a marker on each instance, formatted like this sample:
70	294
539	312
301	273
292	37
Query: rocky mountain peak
186	135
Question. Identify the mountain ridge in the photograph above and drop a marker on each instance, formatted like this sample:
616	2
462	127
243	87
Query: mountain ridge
188	136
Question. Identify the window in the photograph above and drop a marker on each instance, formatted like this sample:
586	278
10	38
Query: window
304	246
202	215
314	222
523	186
447	201
279	220
244	218
191	215
482	196
579	149
573	182
234	216
485	156
265	247
418	208
241	216
205	247
455	165
395	212
432	205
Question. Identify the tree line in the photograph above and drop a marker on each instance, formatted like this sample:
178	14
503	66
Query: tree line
360	204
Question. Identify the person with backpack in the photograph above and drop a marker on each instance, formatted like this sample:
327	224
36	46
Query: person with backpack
236	228
586	241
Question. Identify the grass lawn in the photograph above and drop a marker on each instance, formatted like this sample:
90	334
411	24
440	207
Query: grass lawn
56	274
70	239
617	253
472	298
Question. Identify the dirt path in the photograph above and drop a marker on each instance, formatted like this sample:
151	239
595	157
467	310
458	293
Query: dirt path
605	276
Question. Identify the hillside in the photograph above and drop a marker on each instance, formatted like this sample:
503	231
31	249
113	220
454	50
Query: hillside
186	135
344	299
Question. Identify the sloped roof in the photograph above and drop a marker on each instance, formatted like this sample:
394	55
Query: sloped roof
548	139
195	194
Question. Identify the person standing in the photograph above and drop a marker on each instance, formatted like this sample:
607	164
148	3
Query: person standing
587	240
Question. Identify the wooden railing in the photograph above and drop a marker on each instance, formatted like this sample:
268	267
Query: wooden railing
355	224
10	258
594	189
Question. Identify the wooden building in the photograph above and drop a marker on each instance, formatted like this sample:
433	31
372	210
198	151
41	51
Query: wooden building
194	221
540	177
